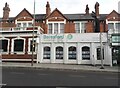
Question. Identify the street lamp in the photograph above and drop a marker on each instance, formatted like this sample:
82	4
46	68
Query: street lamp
33	44
97	29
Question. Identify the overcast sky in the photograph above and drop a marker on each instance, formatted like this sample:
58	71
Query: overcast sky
65	6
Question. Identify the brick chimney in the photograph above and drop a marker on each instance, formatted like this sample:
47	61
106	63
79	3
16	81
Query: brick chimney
87	10
6	11
97	9
48	10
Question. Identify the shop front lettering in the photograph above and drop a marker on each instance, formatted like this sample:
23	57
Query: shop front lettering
53	36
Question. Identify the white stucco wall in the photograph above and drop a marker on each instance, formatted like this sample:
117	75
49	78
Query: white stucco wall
91	40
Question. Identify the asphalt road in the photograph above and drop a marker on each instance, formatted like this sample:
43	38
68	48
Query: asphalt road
47	77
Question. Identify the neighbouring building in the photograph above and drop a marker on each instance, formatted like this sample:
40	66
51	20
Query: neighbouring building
59	38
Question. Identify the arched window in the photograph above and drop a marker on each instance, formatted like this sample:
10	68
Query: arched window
59	52
85	53
72	52
4	45
18	45
46	53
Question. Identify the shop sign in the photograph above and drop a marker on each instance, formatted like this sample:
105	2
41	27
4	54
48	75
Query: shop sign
52	37
57	37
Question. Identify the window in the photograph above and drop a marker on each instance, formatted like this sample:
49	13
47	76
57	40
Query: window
18	45
77	27
31	45
72	52
4	45
50	28
61	27
55	28
99	53
80	27
110	26
18	25
117	26
46	53
59	52
83	27
24	24
30	25
85	53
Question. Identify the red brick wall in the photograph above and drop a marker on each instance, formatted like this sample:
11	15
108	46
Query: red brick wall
89	27
70	27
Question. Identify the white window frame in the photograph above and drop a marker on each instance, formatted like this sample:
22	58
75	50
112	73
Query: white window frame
12	48
58	26
30	52
80	25
22	22
7	46
114	22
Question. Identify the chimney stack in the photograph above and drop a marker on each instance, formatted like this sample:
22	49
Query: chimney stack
87	10
48	10
97	9
6	11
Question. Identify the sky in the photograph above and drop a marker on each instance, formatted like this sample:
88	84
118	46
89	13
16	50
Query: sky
65	6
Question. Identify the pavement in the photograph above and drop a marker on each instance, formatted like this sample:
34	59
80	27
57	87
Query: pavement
60	66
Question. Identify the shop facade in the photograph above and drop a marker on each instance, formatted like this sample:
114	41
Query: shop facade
73	49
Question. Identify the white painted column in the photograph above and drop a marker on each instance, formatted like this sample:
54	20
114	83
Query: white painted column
92	54
78	53
41	53
40	50
52	58
65	53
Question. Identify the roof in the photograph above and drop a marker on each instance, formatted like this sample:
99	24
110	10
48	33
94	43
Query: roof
73	17
78	16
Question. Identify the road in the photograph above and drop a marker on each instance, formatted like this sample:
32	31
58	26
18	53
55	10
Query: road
47	77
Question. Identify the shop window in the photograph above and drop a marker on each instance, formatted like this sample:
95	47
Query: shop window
85	53
72	52
4	45
18	45
59	52
99	53
46	52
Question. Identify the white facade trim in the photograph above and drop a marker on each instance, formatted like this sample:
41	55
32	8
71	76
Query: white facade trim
12	48
7	46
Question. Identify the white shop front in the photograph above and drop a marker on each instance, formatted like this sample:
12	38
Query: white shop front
73	48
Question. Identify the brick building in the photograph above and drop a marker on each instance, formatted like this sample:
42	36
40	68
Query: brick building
17	31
